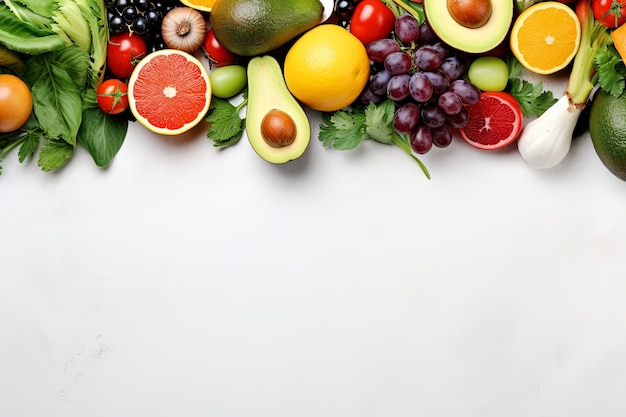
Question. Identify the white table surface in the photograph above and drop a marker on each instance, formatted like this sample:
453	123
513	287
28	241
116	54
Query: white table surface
189	281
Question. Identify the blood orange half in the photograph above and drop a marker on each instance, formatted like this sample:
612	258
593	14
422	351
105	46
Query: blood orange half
495	121
169	92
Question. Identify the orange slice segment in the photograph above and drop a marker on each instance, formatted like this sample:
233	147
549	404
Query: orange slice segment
545	37
169	91
204	5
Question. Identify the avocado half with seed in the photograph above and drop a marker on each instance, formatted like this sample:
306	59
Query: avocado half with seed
472	40
268	93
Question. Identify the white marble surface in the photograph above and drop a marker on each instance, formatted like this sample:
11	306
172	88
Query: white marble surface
188	281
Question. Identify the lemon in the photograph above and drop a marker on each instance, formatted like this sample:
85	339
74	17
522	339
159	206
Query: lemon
327	68
607	127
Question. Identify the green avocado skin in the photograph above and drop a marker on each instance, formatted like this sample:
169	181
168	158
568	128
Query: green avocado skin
254	27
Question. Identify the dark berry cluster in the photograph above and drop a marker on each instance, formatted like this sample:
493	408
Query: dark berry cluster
142	17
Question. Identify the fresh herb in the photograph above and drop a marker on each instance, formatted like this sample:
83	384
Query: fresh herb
610	70
532	98
61	45
346	129
226	127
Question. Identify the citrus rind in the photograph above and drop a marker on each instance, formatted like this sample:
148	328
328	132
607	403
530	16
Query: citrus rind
197	6
132	91
518	25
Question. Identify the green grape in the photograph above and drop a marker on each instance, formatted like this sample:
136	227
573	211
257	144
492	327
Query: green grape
228	81
488	73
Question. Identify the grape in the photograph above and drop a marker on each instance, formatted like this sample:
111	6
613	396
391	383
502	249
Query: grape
398	63
466	90
442	48
439	80
432	115
453	67
420	87
441	136
450	103
488	73
379	81
378	50
421	140
458	120
407	28
427	36
368	96
406	118
427	58
398	87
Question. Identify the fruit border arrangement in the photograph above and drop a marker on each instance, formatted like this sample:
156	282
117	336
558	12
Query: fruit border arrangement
416	74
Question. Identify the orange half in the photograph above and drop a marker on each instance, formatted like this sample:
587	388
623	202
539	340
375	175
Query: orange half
169	92
204	5
545	37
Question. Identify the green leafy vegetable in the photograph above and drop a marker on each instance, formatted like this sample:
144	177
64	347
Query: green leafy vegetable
225	125
102	135
346	129
610	70
54	154
61	46
532	98
343	129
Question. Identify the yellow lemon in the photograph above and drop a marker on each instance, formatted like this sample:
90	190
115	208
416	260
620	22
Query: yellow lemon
326	68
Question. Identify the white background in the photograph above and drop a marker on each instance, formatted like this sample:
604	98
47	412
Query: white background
190	281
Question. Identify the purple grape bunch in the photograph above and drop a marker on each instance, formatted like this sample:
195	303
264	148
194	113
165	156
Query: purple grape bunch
426	79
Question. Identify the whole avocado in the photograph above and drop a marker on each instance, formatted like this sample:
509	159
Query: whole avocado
607	128
254	27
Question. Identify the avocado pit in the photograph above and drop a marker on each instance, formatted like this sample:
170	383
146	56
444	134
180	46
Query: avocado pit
278	128
470	13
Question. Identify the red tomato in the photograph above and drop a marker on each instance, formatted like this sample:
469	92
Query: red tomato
124	50
112	96
371	20
610	13
216	53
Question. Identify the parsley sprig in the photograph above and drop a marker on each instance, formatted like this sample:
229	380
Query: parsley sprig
226	127
532	98
610	70
346	129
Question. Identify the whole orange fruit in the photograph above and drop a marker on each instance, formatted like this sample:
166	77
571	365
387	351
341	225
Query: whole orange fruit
327	68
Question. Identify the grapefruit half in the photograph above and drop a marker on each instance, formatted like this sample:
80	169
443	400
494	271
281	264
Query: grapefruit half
495	121
169	91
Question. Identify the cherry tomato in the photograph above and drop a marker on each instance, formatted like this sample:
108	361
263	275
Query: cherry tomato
112	96
371	20
610	13
124	51
16	103
217	54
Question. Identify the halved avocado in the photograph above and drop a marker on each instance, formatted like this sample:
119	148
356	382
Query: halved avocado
478	40
267	91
